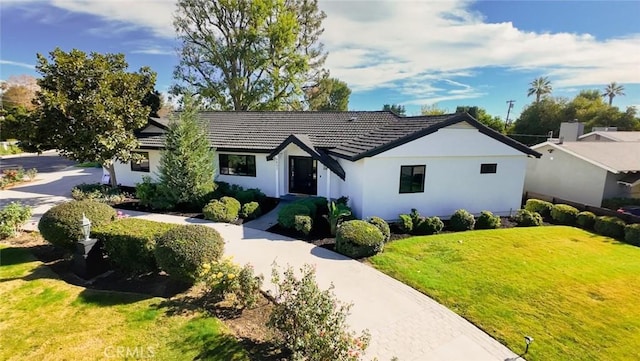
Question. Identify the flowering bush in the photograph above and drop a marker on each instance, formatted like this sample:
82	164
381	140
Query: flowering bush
224	279
12	217
310	322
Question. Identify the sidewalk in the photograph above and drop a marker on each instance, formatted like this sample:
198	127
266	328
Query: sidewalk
403	322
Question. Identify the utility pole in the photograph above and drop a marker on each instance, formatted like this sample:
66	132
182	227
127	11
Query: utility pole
507	121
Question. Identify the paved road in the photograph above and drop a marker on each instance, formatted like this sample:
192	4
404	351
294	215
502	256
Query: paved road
44	163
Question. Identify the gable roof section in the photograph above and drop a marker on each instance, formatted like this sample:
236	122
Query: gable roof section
615	157
304	142
350	135
617	136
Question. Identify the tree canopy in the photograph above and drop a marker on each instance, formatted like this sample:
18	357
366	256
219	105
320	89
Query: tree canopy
396	108
540	86
88	106
432	109
248	54
328	94
481	115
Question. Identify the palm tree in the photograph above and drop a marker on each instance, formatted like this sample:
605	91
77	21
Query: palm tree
612	90
540	86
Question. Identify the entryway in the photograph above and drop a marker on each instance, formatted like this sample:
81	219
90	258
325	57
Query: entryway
303	175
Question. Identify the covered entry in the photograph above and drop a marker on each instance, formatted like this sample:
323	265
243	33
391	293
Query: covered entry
303	175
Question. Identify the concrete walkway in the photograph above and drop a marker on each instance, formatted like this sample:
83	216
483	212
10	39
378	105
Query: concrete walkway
268	220
403	322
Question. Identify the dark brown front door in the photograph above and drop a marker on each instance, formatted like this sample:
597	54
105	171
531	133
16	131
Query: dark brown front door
302	175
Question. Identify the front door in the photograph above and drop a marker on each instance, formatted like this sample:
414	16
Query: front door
302	175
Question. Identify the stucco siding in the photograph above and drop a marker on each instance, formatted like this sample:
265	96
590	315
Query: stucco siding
265	174
126	177
451	183
354	185
562	175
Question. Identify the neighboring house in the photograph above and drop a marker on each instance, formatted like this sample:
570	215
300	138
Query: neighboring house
610	136
384	163
586	172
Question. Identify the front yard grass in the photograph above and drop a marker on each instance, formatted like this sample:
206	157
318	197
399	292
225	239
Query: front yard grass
577	294
44	318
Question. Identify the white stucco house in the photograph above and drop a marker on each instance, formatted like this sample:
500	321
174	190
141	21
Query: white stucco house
384	163
586	171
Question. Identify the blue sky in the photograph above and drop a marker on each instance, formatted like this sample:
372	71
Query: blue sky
409	52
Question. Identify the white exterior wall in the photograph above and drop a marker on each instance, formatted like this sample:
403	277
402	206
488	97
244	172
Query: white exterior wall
452	157
562	175
128	178
354	184
265	174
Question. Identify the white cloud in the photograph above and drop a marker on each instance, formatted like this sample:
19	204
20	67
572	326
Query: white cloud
17	63
412	46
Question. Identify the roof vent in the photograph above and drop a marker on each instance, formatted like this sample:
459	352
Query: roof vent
352	119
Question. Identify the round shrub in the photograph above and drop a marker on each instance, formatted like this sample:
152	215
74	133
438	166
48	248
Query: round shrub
525	218
130	243
586	220
358	239
224	210
286	215
61	227
461	220
632	234
564	214
541	207
428	225
406	223
487	220
250	210
303	224
610	226
250	195
182	250
383	226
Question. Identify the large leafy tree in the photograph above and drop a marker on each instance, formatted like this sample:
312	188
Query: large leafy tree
540	86
186	168
16	102
396	108
539	118
481	115
89	106
590	108
328	94
613	90
248	54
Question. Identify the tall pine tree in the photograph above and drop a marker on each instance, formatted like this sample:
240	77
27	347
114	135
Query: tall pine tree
186	168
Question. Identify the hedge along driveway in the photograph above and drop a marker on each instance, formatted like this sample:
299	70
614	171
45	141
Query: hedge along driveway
574	292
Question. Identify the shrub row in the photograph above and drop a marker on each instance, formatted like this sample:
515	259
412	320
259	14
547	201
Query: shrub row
224	189
461	220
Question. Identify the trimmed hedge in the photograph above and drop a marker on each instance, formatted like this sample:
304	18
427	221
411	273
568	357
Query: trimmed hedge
541	207
250	210
287	215
61	227
245	196
461	220
303	224
428	225
525	218
383	226
224	210
130	243
358	239
632	234
406	223
586	220
487	220
610	226
183	250
564	214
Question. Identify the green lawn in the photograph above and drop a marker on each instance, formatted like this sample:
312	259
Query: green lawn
44	318
577	294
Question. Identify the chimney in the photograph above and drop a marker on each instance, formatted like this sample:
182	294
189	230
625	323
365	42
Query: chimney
571	131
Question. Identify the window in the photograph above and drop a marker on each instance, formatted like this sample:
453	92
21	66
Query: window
412	178
142	164
486	168
232	164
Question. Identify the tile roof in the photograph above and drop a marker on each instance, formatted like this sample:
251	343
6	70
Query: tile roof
351	135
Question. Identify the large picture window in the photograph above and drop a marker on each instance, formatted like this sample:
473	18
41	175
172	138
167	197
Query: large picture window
412	178
233	164
142	164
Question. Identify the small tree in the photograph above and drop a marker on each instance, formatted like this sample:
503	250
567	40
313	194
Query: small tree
186	167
